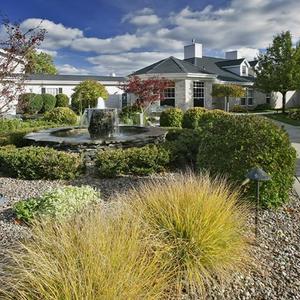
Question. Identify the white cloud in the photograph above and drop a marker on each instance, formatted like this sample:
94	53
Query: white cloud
126	63
69	69
145	20
57	36
53	53
249	53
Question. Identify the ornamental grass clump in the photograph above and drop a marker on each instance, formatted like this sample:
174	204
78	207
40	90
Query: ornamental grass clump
94	256
201	225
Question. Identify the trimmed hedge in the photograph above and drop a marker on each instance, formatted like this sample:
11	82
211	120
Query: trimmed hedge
13	131
62	100
58	203
39	163
136	161
263	106
171	117
61	115
232	145
49	102
191	117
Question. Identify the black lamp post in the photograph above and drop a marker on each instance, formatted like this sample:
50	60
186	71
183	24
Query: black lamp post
257	175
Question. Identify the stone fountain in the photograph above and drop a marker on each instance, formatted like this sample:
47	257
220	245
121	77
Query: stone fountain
99	128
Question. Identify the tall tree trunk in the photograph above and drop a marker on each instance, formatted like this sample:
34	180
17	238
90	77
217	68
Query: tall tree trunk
283	101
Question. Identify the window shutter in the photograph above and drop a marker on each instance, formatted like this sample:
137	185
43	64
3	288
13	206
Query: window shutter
60	91
43	91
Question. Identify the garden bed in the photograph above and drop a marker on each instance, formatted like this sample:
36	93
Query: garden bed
276	251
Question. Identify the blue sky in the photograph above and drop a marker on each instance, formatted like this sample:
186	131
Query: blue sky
118	36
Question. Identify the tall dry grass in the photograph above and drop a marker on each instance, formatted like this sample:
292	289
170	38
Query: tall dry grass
201	224
163	238
90	258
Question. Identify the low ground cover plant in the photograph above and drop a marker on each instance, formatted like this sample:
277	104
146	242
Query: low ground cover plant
61	116
58	203
232	145
171	117
39	163
165	238
294	114
137	161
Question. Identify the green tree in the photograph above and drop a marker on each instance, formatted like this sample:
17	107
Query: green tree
226	91
86	94
279	67
41	63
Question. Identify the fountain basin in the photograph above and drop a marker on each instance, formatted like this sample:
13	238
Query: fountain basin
77	139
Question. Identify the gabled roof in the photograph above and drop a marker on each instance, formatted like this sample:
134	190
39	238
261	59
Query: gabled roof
231	62
60	77
253	63
216	66
171	65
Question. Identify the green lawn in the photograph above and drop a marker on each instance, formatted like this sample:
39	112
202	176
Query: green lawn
284	118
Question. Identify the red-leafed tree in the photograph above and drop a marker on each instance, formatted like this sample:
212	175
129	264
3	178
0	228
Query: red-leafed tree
147	91
14	48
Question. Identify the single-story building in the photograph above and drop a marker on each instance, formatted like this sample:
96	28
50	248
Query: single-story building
195	75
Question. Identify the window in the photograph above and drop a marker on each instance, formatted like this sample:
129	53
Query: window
124	100
169	96
244	70
51	91
268	98
198	93
250	96
248	100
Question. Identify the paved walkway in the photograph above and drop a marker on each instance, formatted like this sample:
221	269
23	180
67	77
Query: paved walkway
294	133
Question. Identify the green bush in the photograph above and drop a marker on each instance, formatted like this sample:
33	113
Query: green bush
239	109
58	203
80	105
13	131
191	117
232	145
294	113
39	163
61	115
171	117
49	102
62	100
182	145
137	161
263	106
111	163
129	114
29	103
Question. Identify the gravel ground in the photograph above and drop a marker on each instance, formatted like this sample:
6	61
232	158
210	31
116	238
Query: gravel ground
277	250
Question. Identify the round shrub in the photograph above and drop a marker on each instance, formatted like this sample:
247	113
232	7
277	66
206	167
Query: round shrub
239	109
171	117
58	203
129	114
29	103
49	102
233	145
200	227
39	163
62	100
61	115
191	117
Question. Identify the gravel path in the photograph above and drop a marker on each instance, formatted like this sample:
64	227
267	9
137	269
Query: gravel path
277	250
